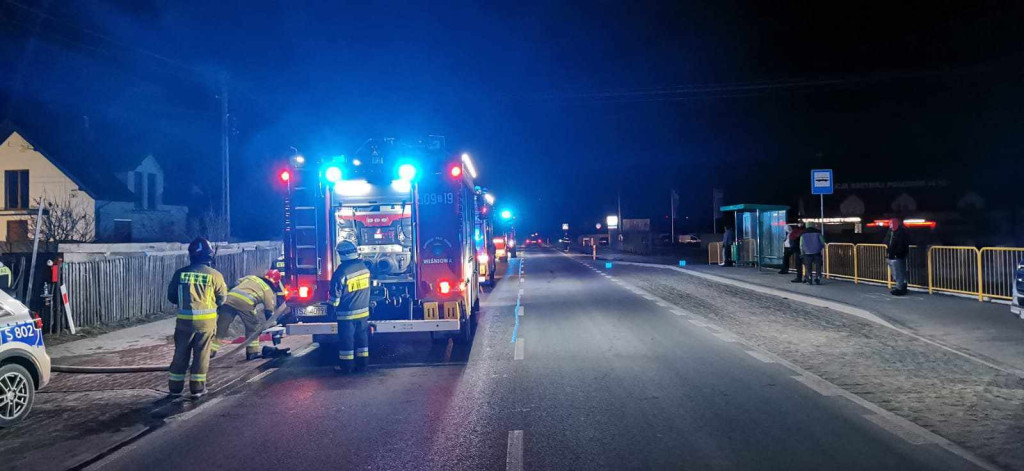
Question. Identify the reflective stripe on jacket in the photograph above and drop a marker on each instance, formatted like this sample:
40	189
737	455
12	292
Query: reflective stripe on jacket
350	291
197	290
250	291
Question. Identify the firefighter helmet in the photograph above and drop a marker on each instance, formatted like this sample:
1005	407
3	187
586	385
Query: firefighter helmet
347	250
200	251
273	276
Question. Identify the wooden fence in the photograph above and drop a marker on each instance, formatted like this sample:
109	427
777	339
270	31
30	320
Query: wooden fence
115	289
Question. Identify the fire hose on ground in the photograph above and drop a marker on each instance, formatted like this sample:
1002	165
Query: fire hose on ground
270	322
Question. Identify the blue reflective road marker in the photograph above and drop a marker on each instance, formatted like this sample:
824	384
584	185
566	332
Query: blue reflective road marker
682	263
608	265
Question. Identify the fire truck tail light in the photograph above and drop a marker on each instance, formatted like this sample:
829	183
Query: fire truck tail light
456	171
303	292
483	258
444	287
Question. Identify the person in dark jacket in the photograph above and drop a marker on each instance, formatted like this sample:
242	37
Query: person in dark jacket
791	249
897	247
349	305
728	239
812	247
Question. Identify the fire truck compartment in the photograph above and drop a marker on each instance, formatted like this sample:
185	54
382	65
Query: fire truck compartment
380	327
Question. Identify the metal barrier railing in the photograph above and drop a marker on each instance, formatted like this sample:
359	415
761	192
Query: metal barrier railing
954	270
871	263
841	261
998	268
986	273
714	253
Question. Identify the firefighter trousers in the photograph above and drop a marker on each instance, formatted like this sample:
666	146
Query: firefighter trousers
225	316
354	343
192	342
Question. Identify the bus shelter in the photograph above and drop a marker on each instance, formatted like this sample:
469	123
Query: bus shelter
759	231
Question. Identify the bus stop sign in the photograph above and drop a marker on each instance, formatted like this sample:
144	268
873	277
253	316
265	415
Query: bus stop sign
821	182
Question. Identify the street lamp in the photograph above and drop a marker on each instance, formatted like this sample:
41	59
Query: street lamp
612	221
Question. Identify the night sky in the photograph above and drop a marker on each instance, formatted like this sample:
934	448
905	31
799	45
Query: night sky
562	104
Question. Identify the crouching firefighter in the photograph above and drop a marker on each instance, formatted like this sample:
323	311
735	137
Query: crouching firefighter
243	301
197	290
349	304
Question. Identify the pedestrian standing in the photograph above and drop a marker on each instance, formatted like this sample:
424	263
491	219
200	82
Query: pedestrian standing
198	290
897	247
791	249
349	304
812	246
727	240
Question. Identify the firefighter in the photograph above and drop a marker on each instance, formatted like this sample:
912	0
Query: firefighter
198	290
243	300
349	304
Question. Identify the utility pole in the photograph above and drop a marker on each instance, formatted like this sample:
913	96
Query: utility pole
225	153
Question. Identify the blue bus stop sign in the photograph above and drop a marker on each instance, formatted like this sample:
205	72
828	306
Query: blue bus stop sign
821	182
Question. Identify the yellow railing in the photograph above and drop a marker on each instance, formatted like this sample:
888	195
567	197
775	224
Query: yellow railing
841	261
998	268
987	273
954	270
714	253
871	263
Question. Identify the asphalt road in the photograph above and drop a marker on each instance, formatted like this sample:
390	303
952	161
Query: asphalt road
592	376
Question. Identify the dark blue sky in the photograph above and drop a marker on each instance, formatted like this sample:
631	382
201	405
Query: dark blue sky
561	103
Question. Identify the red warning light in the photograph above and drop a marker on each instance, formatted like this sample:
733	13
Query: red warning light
445	287
285	175
456	171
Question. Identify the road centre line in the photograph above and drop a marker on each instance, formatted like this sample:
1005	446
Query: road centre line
514	455
520	352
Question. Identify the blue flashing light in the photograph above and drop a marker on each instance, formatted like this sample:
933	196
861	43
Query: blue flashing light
608	265
333	174
682	263
407	172
477	236
506	214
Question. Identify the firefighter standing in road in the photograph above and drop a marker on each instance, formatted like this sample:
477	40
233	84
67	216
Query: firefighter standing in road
197	290
249	293
350	304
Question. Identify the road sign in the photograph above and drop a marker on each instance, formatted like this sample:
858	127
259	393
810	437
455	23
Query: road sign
821	182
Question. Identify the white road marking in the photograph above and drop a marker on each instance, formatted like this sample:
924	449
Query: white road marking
520	349
662	304
896	429
522	311
697	323
522	280
259	376
520	291
680	312
820	386
759	356
724	336
304	350
192	413
514	457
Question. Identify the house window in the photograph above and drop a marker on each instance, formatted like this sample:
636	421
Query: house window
140	195
16	189
17	231
151	190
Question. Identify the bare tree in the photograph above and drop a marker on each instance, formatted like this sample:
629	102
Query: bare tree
209	224
66	219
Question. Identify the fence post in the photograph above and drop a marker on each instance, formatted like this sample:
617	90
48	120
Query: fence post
828	254
928	256
981	284
856	267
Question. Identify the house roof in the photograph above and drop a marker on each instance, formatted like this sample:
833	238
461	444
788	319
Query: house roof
93	175
753	207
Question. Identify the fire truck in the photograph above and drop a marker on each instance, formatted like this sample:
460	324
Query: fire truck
413	212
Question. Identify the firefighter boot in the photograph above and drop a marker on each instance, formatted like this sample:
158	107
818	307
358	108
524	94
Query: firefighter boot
361	363
273	352
343	367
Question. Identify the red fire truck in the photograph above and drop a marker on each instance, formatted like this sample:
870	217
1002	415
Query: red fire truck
411	209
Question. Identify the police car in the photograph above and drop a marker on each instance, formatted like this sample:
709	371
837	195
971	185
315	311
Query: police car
1017	303
24	364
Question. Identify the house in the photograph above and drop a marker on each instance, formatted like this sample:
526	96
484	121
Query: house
89	198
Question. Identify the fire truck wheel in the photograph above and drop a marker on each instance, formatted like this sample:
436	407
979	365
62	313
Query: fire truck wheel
466	331
438	337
